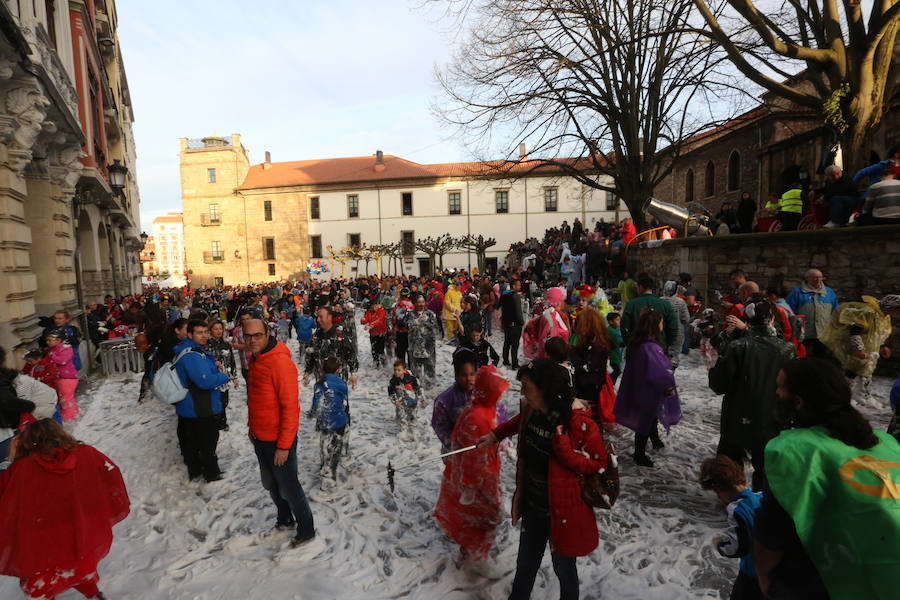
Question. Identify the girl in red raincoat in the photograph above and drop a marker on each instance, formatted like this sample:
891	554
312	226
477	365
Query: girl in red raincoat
558	441
58	502
468	509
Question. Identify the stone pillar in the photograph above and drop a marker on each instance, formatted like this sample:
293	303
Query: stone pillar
20	125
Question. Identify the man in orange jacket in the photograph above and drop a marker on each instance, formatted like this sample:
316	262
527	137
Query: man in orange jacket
273	408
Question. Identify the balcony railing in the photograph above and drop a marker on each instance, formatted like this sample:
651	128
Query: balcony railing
213	257
207	220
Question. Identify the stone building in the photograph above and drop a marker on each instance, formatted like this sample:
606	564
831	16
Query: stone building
761	152
68	234
149	266
266	222
168	236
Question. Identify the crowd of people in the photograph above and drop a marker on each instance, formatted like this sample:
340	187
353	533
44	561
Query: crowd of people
574	323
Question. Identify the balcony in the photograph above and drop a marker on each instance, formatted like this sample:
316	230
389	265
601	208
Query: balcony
210	220
211	257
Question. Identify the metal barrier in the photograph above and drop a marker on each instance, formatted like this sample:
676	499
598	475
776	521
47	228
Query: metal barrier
119	356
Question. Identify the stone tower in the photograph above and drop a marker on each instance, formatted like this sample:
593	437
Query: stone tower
215	235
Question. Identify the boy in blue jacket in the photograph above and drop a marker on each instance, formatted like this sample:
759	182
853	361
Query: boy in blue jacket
330	406
726	478
304	325
202	375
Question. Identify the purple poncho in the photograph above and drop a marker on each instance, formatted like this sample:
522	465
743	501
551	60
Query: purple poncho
641	396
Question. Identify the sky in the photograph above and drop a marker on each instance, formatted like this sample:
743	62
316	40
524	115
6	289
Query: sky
303	79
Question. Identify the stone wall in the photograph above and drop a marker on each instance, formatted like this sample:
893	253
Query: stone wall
855	261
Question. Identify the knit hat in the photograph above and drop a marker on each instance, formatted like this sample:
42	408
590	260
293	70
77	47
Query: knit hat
404	292
670	288
555	295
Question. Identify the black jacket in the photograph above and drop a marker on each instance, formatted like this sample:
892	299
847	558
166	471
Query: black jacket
11	406
511	314
745	373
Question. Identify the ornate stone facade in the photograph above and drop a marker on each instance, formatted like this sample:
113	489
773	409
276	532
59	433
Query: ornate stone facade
66	237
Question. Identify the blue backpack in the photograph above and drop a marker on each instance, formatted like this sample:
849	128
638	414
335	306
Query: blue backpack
304	325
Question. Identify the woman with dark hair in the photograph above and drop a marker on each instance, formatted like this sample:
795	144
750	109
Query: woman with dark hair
829	521
58	503
647	394
174	334
219	347
558	441
745	373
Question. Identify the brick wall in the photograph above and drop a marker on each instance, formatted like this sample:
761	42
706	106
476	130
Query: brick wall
855	261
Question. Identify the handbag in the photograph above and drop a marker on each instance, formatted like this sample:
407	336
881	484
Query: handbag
601	489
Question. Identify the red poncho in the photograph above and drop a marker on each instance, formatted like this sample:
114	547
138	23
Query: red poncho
474	475
56	516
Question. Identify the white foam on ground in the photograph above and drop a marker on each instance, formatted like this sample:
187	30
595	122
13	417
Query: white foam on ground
191	540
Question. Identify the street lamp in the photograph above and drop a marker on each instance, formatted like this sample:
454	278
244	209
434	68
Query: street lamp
144	237
117	173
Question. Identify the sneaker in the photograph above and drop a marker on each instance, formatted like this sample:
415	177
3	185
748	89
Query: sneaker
299	540
658	445
642	460
284	525
217	477
830	225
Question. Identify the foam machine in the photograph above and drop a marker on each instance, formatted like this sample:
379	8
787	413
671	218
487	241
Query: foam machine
675	216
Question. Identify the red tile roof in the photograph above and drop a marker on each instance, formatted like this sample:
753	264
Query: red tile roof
362	169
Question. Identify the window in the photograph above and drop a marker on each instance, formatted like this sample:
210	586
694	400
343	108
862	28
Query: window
406	204
353	206
217	251
734	171
501	199
267	210
612	203
315	246
353	240
689	186
550	200
408	243
271	268
269	248
710	179
453	199
51	21
314	207
211	175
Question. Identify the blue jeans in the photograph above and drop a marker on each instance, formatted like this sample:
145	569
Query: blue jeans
616	371
284	487
840	208
686	346
4	449
532	543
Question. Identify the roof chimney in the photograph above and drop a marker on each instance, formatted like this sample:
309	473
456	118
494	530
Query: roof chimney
268	164
379	161
522	154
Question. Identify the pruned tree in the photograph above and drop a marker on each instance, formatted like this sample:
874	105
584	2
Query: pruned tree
479	245
376	253
619	83
844	55
436	247
395	251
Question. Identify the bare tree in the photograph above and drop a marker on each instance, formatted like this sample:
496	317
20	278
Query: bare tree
436	247
845	57
620	83
479	245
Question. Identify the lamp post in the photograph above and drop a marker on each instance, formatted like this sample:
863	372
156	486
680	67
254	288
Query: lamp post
117	174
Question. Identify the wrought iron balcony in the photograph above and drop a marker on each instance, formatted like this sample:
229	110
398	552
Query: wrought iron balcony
207	220
210	257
